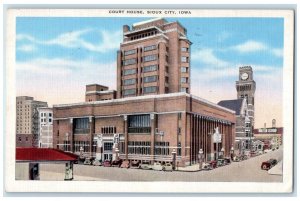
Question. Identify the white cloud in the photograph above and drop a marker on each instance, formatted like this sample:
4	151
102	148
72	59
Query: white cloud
26	48
207	57
277	52
250	46
108	40
223	36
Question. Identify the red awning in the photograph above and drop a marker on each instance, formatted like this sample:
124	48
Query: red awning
43	154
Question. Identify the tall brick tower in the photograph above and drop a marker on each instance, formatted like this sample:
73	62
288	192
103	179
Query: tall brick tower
246	89
154	58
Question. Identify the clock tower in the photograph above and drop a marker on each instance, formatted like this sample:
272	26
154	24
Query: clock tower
246	89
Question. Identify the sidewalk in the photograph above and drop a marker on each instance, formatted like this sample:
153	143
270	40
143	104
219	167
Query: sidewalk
192	168
277	169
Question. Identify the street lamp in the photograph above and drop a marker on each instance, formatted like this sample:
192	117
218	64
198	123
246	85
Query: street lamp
231	152
222	151
174	159
117	153
200	156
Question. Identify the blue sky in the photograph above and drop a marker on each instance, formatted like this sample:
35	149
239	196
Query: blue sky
60	55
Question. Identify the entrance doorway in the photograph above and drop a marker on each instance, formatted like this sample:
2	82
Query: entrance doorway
107	157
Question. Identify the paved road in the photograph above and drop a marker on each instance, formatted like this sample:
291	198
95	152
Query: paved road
248	171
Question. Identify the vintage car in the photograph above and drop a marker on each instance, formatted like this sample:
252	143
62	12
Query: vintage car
220	162
266	165
236	159
227	161
87	161
167	167
206	166
106	163
97	162
116	163
157	166
125	164
213	164
145	166
135	164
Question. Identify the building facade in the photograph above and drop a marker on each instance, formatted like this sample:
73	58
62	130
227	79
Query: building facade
272	136
27	121
145	128
152	116
243	124
154	58
45	127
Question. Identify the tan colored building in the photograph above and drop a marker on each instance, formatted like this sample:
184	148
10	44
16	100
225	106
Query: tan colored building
146	128
271	136
45	127
154	58
97	92
27	121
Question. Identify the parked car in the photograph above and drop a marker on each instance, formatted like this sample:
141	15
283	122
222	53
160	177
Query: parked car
87	161
135	164
206	166
97	162
106	163
157	166
236	159
167	167
266	165
125	164
220	162
116	163
227	161
213	164
145	166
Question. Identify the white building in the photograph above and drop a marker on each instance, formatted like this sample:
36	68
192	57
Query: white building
45	127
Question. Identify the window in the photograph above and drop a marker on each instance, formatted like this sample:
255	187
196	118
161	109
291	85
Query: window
162	148
108	130
84	144
148	48
179	149
129	82
150	68
129	62
50	120
150	58
129	71
139	124
184	69
184	80
179	116
67	145
26	139
149	89
129	52
139	147
108	146
183	89
81	126
184	49
50	114
150	79
129	92
184	59
20	139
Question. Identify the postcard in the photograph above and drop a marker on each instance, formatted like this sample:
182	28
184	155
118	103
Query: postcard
149	100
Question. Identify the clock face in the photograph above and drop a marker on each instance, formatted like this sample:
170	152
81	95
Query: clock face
244	76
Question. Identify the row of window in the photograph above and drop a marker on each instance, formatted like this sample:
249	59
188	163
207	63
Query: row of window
152	89
43	114
145	69
147	79
108	130
143	35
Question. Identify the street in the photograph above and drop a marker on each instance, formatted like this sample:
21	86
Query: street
244	171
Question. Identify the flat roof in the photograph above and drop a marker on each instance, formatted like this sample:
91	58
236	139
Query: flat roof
147	21
144	98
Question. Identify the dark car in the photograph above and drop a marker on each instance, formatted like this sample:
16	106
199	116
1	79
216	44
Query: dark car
117	163
227	161
221	162
106	163
266	165
213	164
135	164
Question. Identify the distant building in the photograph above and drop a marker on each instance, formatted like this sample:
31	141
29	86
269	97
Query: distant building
97	92
243	123
27	121
271	136
45	127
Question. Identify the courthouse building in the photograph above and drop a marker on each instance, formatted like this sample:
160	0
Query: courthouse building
151	115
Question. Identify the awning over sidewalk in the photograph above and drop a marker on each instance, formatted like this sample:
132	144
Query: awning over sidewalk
43	155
